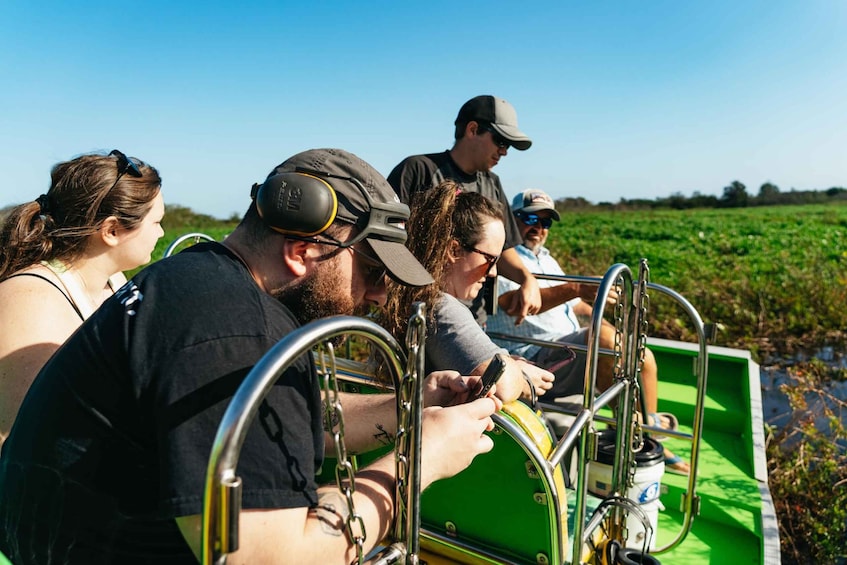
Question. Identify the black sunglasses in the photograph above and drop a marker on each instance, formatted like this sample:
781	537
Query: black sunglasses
500	141
489	258
126	166
374	269
532	219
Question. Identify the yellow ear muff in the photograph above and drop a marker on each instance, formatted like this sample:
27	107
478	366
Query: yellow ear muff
296	203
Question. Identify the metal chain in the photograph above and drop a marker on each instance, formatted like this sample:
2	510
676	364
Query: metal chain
405	397
617	371
344	472
408	417
617	519
644	278
641	344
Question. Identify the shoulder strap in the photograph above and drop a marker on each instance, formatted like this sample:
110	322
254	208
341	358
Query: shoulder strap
57	287
75	294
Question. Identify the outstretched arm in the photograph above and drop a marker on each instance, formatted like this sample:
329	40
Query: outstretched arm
554	295
525	301
370	420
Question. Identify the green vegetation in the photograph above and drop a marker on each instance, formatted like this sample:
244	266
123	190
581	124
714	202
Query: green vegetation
180	220
807	468
772	278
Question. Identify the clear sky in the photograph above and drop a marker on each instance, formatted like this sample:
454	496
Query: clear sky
621	99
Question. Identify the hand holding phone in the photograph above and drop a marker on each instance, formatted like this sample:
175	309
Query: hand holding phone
492	374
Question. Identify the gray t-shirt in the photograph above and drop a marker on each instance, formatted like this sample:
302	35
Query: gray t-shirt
457	342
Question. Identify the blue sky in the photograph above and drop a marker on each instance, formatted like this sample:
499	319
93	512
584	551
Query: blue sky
622	99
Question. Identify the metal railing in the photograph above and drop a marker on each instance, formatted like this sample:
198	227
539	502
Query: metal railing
223	488
581	430
194	237
222	497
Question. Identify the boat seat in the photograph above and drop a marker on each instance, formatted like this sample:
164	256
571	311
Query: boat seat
508	506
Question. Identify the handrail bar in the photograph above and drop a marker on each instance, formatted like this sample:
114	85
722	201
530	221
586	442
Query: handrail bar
613	275
222	490
197	236
690	501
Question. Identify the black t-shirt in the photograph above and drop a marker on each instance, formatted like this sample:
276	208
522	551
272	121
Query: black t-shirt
113	440
422	172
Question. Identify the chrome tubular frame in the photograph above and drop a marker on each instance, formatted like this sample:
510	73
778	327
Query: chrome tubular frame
223	494
196	236
222	498
581	429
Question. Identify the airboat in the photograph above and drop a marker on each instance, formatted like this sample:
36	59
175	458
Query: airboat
587	490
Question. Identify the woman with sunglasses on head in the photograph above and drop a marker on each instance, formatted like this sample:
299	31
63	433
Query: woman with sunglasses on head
458	237
63	254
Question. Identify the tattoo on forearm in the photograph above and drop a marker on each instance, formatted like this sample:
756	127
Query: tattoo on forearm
383	436
332	513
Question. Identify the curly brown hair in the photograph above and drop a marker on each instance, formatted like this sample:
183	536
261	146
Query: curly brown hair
439	216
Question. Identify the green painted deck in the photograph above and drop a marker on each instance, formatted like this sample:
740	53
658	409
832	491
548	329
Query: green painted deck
736	523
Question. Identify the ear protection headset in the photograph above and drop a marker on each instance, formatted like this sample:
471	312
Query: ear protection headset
303	204
295	203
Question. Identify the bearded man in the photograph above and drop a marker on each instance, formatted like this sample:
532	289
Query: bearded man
106	462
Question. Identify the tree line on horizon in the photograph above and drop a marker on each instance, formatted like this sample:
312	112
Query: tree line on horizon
735	195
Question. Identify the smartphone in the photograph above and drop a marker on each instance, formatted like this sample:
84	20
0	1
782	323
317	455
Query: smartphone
558	360
492	374
489	295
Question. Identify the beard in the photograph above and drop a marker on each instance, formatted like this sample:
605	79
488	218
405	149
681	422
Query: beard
317	295
535	244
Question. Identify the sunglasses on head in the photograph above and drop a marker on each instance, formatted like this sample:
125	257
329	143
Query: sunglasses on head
500	141
126	166
532	219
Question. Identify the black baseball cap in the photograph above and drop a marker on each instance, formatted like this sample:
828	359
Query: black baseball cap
499	114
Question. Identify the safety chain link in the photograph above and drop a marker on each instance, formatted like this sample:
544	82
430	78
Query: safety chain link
405	398
641	343
344	471
643	279
617	371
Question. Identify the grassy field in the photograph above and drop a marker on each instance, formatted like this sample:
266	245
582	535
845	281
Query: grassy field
770	277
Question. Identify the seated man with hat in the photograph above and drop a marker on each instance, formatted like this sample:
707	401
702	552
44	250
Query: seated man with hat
557	320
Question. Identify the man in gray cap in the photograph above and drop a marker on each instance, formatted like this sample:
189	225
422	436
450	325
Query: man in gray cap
106	462
486	128
557	320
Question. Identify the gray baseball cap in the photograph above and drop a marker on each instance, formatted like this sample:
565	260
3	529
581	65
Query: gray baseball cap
373	207
534	200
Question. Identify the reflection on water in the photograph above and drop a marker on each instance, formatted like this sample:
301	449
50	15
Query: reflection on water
775	372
